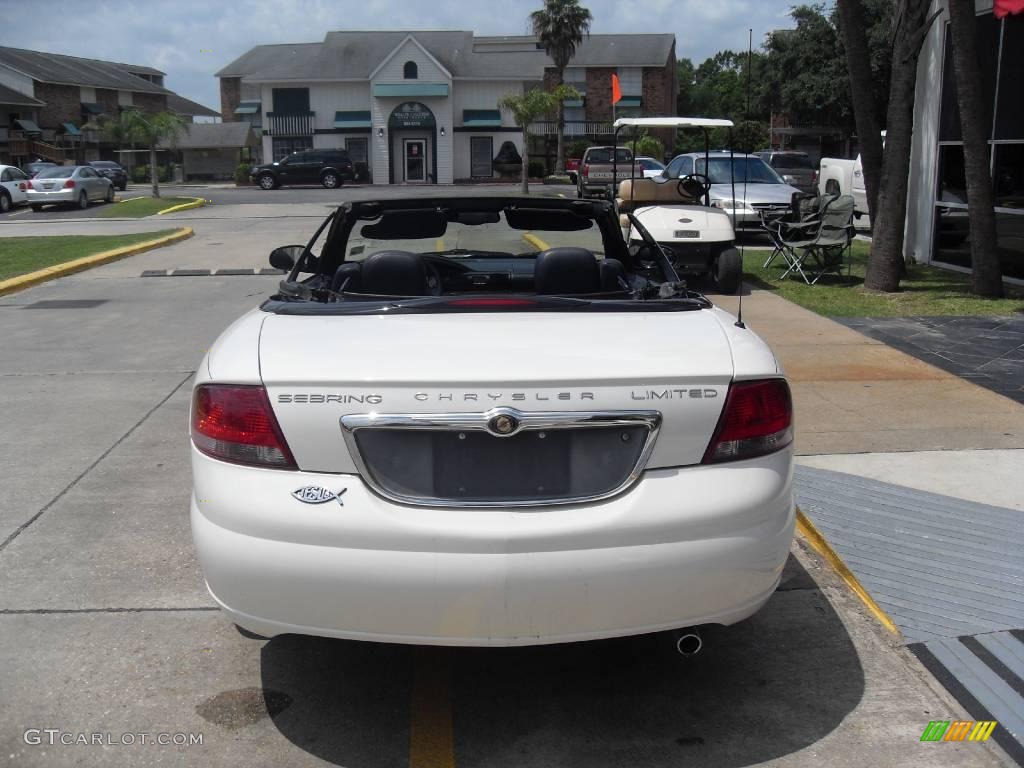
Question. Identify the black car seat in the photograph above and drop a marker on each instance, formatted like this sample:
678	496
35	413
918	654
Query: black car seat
613	275
394	273
566	271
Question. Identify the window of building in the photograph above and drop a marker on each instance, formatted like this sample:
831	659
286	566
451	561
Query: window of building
410	71
481	150
291	101
285	145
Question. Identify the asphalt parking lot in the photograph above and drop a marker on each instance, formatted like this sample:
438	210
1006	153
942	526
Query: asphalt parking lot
106	627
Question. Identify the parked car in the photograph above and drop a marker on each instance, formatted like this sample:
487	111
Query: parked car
652	168
40	165
13	183
75	185
488	479
839	176
597	168
796	168
572	168
758	187
330	167
108	168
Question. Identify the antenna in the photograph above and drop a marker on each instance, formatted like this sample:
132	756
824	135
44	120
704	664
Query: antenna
746	173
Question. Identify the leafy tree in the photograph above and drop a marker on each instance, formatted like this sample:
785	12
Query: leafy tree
527	108
687	75
561	25
645	145
885	263
986	272
720	87
862	92
135	126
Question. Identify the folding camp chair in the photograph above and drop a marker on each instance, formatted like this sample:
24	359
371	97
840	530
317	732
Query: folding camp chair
821	247
804	209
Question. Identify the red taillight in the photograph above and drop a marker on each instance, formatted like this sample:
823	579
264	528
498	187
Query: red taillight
69	184
757	419
235	423
492	303
814	177
28	185
25	185
585	171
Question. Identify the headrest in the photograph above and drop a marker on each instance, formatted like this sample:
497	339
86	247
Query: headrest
394	273
566	270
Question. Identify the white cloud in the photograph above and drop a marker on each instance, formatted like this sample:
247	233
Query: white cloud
174	35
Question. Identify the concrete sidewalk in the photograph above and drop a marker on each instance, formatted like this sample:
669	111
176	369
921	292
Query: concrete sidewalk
853	394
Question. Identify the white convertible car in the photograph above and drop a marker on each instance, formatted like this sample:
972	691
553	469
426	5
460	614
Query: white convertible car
485	421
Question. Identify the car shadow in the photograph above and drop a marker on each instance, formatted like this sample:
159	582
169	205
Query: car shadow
765	688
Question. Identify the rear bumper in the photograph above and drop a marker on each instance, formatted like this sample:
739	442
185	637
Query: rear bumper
679	549
38	197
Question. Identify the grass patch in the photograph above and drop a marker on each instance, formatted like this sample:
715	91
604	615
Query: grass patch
138	207
21	255
924	291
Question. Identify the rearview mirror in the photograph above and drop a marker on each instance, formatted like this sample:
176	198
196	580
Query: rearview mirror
285	256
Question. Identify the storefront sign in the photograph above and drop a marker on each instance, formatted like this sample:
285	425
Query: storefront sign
411	114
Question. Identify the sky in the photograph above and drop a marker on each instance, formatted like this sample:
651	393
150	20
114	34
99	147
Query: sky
191	39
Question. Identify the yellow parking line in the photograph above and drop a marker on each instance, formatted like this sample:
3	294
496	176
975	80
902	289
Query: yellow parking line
823	548
430	729
535	241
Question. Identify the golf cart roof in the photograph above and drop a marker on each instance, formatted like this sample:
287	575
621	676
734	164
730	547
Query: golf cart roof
672	122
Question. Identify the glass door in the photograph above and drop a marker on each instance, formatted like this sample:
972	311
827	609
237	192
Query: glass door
413	150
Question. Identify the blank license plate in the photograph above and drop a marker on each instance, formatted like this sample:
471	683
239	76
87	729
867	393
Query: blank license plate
683	233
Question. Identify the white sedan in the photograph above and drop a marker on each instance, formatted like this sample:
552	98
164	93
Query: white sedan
441	430
13	183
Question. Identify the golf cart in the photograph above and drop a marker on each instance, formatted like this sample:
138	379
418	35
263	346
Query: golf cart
698	238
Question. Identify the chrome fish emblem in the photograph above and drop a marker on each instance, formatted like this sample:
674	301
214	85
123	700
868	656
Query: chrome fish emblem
314	494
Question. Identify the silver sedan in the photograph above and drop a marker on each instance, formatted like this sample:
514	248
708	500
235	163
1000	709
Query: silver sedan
76	185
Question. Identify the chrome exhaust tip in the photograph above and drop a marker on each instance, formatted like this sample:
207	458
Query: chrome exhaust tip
688	642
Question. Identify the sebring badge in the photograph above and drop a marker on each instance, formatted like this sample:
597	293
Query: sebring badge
314	494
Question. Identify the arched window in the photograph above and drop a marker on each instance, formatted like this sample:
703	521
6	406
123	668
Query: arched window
411	70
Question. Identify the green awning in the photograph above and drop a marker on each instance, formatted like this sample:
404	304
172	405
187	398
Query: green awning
481	118
92	108
28	126
629	101
410	89
71	129
248	108
574	103
355	119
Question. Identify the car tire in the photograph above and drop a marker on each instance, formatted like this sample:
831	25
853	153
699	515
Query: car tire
83	201
5	202
109	197
330	180
728	271
36	207
123	187
267	181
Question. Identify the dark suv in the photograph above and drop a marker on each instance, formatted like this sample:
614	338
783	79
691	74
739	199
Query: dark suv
796	168
111	170
329	167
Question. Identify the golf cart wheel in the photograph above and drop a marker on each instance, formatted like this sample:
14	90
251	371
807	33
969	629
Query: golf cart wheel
267	181
5	202
728	271
330	180
83	201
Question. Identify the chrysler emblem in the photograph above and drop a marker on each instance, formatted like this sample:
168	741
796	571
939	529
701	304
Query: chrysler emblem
503	424
314	494
685	220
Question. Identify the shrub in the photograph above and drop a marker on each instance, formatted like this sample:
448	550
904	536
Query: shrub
648	146
535	168
140	173
242	173
576	148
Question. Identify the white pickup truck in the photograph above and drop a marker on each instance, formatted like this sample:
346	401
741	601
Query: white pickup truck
837	176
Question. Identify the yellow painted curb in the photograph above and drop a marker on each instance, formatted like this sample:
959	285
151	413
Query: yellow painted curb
77	265
535	241
197	202
823	548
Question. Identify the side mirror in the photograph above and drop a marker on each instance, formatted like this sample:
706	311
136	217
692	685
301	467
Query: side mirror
285	257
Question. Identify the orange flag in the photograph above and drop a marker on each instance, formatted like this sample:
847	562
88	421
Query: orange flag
616	90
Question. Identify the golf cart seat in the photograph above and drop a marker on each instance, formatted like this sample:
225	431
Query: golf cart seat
634	193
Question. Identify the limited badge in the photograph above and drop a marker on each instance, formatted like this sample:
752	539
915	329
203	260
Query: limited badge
314	494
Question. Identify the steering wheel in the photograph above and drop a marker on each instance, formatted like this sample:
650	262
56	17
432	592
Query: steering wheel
693	185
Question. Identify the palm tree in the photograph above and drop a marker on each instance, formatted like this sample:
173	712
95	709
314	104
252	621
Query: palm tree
527	108
986	272
561	25
134	125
